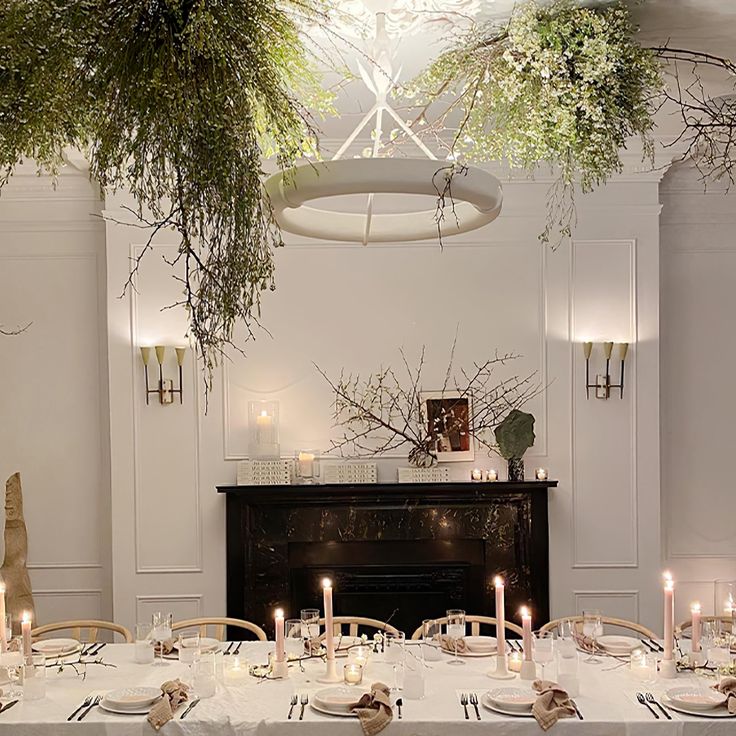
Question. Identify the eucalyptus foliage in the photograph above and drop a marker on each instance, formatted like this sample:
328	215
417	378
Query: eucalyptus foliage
559	83
176	101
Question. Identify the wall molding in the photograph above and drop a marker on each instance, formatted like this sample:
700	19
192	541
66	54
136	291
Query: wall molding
622	594
168	598
64	565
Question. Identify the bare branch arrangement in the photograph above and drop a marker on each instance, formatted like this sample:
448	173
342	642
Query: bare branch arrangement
8	332
79	665
385	411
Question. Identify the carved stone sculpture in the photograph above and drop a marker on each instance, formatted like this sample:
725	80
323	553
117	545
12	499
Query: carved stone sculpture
14	573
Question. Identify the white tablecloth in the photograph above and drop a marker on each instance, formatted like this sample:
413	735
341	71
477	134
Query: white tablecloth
607	701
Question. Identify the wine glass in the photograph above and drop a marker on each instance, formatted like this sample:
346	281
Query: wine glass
566	629
162	623
543	649
592	629
455	630
12	660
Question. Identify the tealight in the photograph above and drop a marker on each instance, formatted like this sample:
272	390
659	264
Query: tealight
353	674
492	475
476	474
541	474
235	670
359	655
514	663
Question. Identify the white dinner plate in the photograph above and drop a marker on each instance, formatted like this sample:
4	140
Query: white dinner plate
714	713
206	644
329	712
477	639
56	647
338	698
125	711
696	698
514	713
132	697
618	645
516	699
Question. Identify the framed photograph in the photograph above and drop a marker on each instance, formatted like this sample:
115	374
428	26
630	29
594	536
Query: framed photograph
448	422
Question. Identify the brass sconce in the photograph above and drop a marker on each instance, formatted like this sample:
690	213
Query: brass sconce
603	385
165	388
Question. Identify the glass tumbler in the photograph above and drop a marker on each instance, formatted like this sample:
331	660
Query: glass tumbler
143	647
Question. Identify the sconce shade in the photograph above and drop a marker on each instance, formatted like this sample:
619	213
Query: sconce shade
607	349
160	352
623	348
146	355
587	349
180	352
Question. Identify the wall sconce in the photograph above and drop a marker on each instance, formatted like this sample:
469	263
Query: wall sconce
603	383
165	388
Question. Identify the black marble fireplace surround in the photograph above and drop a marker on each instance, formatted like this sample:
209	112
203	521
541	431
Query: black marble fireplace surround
406	551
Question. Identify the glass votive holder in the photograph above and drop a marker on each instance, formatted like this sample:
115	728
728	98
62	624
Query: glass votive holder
352	673
359	655
235	670
263	430
541	474
306	465
204	675
514	662
34	677
188	645
476	474
143	647
491	475
643	666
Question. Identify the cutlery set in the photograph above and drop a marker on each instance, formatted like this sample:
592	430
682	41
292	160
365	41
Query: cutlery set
191	705
647	700
652	645
470	699
234	651
7	706
93	649
514	645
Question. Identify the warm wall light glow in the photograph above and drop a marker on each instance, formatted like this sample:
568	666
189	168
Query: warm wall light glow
498	581
326	583
26	619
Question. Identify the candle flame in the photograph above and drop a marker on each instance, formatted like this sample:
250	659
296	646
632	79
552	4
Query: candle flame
524	611
326	583
668	582
26	619
695	607
279	613
264	413
498	581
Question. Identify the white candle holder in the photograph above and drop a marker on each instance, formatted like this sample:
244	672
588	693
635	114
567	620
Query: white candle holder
502	671
330	673
528	670
668	669
280	670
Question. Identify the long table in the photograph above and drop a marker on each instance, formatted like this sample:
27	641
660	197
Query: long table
607	701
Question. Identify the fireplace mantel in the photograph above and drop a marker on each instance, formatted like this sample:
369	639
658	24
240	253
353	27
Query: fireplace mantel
278	534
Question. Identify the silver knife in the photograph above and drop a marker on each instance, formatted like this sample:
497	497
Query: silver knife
8	706
186	712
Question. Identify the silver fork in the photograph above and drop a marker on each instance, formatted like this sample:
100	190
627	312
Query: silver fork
87	702
474	703
640	697
294	701
94	703
304	700
464	703
651	699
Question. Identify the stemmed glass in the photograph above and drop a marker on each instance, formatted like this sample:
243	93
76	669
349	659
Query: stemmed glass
717	646
12	659
455	630
162	623
544	649
592	629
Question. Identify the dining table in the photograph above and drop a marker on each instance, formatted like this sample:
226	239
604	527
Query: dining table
607	701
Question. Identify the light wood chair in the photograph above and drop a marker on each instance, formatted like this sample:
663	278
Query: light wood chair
220	624
355	623
606	621
84	630
726	622
475	624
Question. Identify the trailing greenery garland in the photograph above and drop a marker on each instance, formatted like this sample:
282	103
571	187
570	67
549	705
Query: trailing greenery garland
560	83
176	101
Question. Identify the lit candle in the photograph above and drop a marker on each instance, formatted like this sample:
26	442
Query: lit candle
500	617
329	625
359	655
353	674
264	425
279	623
492	475
264	419
25	630
541	474
669	616
3	632
526	624
235	670
695	614
306	464
476	474
515	661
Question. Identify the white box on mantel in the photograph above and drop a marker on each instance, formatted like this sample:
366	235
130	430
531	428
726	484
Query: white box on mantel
265	473
424	475
350	473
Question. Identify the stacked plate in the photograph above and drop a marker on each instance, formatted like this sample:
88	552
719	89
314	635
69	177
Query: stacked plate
695	701
477	646
618	646
337	701
133	701
510	701
57	647
206	644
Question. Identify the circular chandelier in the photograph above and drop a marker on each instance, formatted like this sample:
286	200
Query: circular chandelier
475	196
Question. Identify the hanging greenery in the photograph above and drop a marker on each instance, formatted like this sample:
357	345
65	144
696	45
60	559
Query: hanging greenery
177	101
559	83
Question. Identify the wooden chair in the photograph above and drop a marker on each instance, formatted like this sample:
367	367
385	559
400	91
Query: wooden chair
220	624
621	623
80	628
726	622
354	623
475	624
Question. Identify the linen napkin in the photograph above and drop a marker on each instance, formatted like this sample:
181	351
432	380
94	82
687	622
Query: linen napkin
168	647
175	693
449	643
374	709
727	686
552	704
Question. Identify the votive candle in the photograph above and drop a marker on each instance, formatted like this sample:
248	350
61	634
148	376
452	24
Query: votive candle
329	624
541	474
696	626
500	616
492	475
515	662
25	630
353	674
526	624
669	616
476	474
279	625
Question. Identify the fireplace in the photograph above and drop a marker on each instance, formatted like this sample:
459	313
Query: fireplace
399	551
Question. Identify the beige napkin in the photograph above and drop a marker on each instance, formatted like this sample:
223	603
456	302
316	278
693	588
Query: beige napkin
449	643
168	647
374	709
552	704
727	686
175	693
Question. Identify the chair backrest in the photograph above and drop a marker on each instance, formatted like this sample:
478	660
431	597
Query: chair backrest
475	624
85	630
620	623
726	622
355	623
220	625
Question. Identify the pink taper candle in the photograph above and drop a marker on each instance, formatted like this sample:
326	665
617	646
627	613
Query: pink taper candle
329	624
279	625
695	614
3	632
25	630
526	624
669	616
500	617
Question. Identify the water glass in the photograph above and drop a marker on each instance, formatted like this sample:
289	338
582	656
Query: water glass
394	647
143	648
543	650
592	629
293	638
643	666
204	675
34	677
310	619
189	645
352	673
162	623
567	666
12	662
414	676
431	630
456	629
566	629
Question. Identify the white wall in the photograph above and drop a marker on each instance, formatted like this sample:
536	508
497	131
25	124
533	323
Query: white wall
352	307
53	387
698	355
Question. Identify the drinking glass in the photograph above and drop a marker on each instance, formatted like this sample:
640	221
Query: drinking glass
543	649
204	675
566	629
310	619
161	624
567	666
293	638
34	677
143	651
456	630
188	644
592	629
414	676
12	661
352	673
431	630
717	646
643	666
394	651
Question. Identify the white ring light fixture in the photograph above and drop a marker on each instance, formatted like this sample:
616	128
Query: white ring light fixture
476	199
